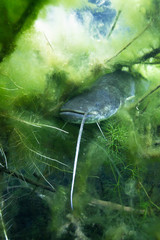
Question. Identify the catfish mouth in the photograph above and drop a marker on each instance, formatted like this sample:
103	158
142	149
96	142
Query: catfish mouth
66	111
72	115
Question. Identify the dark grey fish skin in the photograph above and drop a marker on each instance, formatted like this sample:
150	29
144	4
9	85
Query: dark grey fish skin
102	100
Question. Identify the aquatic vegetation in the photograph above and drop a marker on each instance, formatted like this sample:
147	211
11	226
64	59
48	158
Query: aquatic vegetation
50	53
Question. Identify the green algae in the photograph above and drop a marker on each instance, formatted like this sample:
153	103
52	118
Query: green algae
37	75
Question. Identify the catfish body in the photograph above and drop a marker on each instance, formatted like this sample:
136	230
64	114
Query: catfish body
97	104
102	100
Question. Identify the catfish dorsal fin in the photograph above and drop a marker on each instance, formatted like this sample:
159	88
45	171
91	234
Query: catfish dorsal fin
76	156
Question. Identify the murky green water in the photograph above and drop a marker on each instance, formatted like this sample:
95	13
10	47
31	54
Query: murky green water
49	54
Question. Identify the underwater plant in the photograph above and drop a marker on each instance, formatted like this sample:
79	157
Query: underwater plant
54	51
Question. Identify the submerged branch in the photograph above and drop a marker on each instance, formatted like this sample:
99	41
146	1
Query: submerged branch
115	206
143	59
114	24
128	44
143	98
150	54
36	124
25	179
38	153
